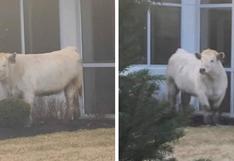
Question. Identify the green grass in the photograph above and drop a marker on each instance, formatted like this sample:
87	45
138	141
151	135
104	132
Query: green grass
81	145
213	142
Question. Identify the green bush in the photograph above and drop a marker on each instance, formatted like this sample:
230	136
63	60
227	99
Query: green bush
147	126
14	112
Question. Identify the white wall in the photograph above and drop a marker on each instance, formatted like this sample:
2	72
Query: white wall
190	25
70	28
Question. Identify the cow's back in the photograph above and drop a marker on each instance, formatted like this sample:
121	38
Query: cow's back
48	72
183	69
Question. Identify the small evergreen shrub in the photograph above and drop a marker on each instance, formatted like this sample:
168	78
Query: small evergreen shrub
147	126
14	112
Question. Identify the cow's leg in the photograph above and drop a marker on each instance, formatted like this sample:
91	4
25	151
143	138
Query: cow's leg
204	102
185	100
218	110
71	94
172	92
213	117
29	98
205	105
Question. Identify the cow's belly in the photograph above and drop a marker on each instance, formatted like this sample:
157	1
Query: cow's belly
46	92
50	87
49	77
186	84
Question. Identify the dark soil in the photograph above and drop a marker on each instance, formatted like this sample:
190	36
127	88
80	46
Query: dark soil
55	126
197	120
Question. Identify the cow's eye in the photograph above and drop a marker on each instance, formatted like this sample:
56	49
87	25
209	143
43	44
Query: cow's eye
212	61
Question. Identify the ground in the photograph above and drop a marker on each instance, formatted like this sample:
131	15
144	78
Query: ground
84	140
209	142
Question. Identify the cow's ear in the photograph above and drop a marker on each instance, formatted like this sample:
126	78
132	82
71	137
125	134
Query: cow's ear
198	56
221	56
11	58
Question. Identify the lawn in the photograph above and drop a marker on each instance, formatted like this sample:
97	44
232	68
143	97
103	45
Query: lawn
81	141
213	142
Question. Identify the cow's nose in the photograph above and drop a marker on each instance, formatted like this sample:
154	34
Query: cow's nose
202	70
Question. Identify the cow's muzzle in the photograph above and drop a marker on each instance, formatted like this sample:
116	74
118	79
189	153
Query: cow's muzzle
202	70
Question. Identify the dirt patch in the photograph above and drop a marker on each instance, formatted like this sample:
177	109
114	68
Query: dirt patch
56	126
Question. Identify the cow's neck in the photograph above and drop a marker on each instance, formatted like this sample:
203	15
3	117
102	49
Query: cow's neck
214	77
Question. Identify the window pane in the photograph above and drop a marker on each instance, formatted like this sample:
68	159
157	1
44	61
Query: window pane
99	90
98	30
216	31
10	38
41	25
132	33
225	106
215	1
165	33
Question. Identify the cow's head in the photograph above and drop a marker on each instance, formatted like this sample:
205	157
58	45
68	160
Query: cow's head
211	60
5	61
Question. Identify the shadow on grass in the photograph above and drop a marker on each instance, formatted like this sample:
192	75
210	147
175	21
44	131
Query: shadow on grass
56	126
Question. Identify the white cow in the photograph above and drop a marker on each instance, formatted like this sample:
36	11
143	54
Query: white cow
30	75
201	75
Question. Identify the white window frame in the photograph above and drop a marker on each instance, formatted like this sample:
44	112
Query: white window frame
88	65
22	28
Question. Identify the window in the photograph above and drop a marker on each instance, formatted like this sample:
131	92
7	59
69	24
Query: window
97	20
216	31
165	37
41	26
225	106
99	84
133	33
10	36
98	30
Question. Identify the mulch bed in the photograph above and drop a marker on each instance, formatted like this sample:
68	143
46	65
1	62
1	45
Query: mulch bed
55	126
197	120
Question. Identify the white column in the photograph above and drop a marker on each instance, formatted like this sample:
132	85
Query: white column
190	25
190	31
148	36
22	26
69	14
70	31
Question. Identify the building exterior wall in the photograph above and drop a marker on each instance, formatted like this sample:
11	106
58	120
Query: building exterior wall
203	24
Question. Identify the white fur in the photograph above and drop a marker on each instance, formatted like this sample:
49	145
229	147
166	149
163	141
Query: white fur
183	74
43	74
